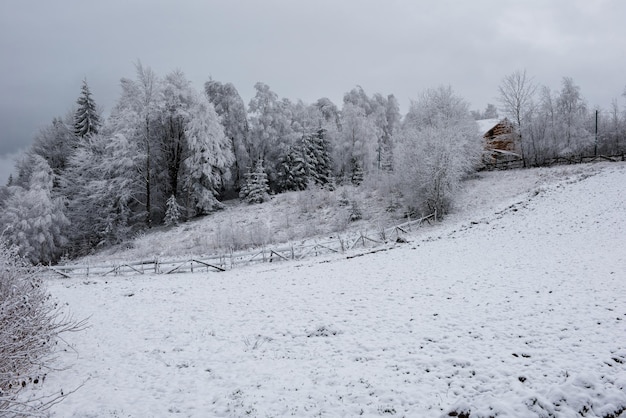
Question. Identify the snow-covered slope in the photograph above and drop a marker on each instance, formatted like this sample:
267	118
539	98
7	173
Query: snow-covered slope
515	306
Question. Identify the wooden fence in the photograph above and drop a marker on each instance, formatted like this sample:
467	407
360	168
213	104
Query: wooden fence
577	159
231	260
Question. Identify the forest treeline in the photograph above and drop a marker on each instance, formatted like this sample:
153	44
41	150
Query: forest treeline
169	152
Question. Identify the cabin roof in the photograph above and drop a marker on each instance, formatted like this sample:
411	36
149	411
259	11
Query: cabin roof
485	125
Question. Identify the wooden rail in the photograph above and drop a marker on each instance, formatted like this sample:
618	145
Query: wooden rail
229	261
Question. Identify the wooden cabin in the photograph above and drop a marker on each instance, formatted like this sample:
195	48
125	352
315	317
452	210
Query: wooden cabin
500	140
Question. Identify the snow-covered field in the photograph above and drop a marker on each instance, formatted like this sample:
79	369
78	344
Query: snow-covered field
515	306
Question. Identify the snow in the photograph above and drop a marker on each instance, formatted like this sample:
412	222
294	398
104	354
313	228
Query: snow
514	306
485	124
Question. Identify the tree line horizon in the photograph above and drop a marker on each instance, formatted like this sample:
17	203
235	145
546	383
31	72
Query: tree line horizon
168	152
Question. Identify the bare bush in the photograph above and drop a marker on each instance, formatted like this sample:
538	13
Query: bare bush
30	328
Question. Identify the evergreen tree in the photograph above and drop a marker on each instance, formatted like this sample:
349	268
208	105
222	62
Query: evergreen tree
322	161
256	187
172	213
54	143
356	171
86	118
292	173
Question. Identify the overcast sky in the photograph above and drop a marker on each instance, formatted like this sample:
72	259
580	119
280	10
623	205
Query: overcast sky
302	49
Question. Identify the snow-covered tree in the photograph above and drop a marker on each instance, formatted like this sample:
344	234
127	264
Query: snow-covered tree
615	137
357	142
517	91
256	187
32	219
210	155
263	111
438	145
292	172
54	143
319	155
271	132
179	99
86	118
383	115
173	212
232	111
102	193
572	114
137	116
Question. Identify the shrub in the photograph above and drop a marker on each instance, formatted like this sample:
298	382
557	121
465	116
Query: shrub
30	326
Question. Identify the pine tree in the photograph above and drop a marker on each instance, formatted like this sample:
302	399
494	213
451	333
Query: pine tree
256	187
323	162
355	212
172	214
86	118
356	171
292	173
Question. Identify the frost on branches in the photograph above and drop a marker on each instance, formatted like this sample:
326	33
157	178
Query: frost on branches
31	325
172	213
210	154
32	219
438	146
256	188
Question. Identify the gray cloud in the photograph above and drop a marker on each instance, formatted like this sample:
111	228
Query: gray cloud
303	50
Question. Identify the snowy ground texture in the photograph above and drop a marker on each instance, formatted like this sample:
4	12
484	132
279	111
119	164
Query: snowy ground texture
511	308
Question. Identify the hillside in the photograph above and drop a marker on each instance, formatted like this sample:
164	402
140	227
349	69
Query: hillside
299	216
512	307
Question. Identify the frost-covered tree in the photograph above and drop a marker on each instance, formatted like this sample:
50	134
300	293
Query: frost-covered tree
264	114
54	143
357	142
319	155
572	114
102	193
271	132
137	116
232	111
86	118
356	171
517	91
438	145
615	137
292	170
383	115
210	155
173	212
179	98
256	187
32	219
386	117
